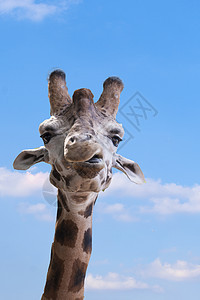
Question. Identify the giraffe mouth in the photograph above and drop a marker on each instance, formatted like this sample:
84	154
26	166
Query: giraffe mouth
91	167
96	159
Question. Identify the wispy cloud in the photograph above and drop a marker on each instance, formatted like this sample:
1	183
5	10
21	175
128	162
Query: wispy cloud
39	211
168	198
117	211
16	184
114	208
114	281
31	9
179	271
160	198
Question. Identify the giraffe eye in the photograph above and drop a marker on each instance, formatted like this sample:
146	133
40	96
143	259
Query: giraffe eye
116	140
46	137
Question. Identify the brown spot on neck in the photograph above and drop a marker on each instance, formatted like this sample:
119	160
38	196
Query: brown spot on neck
77	276
66	233
88	211
54	276
87	241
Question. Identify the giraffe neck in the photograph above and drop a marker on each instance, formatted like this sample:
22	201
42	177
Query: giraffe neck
72	246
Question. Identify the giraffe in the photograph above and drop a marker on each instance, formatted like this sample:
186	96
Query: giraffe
80	143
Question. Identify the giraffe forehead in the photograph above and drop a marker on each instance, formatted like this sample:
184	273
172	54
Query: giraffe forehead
112	126
93	123
51	124
102	127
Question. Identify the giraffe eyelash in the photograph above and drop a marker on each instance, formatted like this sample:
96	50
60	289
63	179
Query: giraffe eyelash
116	140
46	137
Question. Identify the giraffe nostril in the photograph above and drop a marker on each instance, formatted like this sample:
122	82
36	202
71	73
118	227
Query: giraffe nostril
72	139
77	140
89	136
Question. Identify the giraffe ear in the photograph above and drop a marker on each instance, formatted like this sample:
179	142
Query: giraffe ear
129	167
27	158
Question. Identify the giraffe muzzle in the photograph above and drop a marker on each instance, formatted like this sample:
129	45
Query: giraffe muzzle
83	149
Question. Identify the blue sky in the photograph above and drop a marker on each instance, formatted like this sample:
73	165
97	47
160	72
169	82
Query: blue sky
145	238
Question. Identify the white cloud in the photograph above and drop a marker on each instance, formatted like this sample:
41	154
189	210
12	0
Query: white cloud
16	184
165	199
126	217
161	198
39	210
117	211
32	209
114	281
179	271
113	208
31	9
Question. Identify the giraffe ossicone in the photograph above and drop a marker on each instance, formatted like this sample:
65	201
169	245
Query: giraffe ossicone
80	142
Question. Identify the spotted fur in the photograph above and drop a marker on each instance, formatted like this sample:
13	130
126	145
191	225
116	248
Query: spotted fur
87	241
78	143
77	276
66	233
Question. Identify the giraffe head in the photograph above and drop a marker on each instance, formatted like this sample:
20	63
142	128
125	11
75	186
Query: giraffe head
81	138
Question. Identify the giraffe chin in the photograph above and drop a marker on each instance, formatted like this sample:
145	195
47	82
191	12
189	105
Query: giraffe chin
87	169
